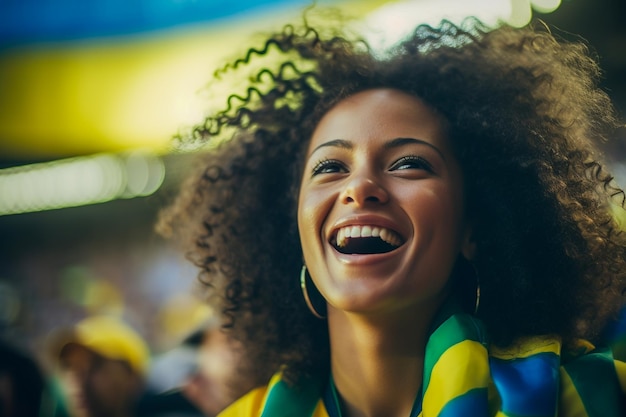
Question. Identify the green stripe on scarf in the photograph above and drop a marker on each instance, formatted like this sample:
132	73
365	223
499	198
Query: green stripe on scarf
456	329
595	380
287	401
456	364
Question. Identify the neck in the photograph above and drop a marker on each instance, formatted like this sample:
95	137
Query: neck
377	363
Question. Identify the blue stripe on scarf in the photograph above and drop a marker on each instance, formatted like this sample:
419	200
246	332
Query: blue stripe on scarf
471	403
527	386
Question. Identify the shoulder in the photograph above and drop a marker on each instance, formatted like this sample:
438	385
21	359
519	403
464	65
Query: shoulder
538	371
250	405
278	399
594	380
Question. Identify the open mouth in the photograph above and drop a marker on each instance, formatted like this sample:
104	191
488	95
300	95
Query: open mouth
365	240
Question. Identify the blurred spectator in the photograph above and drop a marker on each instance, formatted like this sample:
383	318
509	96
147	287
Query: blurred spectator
197	378
168	374
214	385
23	390
102	364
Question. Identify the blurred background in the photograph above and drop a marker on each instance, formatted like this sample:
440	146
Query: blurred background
91	93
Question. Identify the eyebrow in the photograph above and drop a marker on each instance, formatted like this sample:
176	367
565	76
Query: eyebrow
338	143
395	143
398	142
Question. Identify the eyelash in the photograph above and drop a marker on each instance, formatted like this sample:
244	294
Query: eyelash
415	160
324	164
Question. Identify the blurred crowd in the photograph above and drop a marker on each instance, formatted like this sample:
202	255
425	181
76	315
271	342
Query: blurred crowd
101	366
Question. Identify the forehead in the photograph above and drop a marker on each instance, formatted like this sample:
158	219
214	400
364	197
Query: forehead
380	114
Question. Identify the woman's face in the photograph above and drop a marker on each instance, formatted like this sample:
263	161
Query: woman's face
380	210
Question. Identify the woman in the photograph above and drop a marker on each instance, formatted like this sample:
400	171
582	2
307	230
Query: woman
448	202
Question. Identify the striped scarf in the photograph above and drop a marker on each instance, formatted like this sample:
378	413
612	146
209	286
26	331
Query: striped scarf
465	377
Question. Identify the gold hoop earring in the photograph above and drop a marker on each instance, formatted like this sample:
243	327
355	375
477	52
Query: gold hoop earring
477	290
307	300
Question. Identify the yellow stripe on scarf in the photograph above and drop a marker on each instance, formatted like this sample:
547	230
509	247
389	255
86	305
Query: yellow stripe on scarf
527	347
620	368
460	368
570	402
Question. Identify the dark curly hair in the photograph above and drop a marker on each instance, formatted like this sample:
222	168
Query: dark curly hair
525	116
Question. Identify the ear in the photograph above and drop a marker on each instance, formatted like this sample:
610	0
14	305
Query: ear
468	245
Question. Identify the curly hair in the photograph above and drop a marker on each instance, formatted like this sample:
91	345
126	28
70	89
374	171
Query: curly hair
525	116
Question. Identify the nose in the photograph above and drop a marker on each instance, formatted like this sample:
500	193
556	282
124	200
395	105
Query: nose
363	189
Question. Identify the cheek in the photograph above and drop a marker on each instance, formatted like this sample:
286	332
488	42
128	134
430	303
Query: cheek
312	210
303	214
314	207
306	224
438	211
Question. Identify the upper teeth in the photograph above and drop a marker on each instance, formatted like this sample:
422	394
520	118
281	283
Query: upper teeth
348	232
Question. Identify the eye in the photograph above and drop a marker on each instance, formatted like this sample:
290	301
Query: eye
411	162
328	166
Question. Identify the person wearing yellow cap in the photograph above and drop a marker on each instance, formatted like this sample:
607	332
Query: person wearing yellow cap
103	363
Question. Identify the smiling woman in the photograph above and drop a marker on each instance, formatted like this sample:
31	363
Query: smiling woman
393	173
447	203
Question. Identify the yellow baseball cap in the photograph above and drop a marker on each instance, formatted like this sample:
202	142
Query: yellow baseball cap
109	337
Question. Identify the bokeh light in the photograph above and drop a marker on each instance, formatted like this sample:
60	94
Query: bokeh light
79	181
